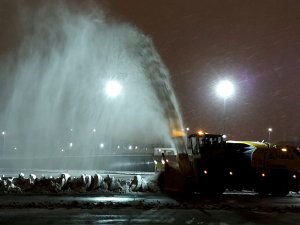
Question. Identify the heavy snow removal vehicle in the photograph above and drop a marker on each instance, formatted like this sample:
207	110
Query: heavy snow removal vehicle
215	165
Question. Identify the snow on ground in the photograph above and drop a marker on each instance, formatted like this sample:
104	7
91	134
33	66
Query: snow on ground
67	183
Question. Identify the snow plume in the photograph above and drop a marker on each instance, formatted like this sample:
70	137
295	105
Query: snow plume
58	104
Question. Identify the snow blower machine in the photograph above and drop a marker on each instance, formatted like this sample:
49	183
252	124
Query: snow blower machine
211	165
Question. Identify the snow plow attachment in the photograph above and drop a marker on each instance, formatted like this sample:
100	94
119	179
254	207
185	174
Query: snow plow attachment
177	176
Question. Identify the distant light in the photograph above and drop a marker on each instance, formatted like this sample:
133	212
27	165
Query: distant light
130	147
270	129
62	149
94	130
136	147
200	132
101	145
187	128
71	145
113	88
118	146
224	136
3	133
15	148
284	150
225	89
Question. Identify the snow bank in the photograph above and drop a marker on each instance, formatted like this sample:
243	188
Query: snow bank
65	183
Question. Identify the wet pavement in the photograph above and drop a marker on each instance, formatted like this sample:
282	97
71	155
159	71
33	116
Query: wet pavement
148	208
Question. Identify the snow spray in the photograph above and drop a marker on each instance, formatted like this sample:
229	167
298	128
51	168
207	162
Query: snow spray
60	103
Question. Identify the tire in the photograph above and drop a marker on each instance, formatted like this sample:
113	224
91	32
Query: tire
280	190
161	181
212	187
279	184
262	192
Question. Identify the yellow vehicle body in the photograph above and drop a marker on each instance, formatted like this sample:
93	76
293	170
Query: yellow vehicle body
276	156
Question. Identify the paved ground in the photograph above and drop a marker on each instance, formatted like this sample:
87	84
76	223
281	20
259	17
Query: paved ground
144	216
147	208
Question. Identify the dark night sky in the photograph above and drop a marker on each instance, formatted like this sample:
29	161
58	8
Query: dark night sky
254	43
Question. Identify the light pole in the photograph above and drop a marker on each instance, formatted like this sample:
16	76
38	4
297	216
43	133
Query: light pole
3	134
71	136
225	90
94	142
269	131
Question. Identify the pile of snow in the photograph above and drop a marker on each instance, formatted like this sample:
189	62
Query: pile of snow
66	183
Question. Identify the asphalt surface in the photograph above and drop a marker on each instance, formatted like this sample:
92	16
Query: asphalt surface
148	208
229	200
145	217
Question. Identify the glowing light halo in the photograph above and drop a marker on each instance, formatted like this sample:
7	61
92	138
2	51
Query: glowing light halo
225	89
113	88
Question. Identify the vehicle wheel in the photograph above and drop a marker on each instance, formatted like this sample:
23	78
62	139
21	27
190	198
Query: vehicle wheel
262	189
212	188
279	184
212	191
280	190
189	187
280	193
161	181
262	192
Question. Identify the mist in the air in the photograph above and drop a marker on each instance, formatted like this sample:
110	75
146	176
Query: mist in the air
58	102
